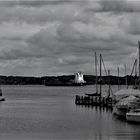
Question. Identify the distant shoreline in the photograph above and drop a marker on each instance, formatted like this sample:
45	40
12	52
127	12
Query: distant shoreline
64	80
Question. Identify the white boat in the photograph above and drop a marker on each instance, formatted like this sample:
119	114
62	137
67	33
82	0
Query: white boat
123	93
127	99
133	115
120	112
124	105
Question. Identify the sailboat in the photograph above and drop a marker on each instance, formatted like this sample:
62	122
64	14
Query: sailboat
96	80
1	97
92	96
124	105
96	98
126	99
134	114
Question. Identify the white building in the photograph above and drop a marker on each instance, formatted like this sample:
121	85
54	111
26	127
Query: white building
79	78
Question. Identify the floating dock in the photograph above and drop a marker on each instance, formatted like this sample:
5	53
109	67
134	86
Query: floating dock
95	101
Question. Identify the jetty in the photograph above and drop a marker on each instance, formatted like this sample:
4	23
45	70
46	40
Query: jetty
96	99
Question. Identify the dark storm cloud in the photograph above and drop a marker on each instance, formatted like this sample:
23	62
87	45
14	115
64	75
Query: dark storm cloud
119	6
75	43
61	36
42	15
116	6
133	27
85	33
97	5
32	3
17	50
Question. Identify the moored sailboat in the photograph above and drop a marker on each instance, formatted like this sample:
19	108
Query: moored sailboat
96	98
127	99
125	104
133	115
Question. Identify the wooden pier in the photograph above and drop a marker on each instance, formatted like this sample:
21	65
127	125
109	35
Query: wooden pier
95	101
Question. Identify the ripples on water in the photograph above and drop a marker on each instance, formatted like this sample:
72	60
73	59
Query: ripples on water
40	113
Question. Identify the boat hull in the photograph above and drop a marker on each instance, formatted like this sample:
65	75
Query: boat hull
133	117
120	112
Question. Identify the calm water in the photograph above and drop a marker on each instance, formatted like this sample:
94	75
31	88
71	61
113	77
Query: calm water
40	113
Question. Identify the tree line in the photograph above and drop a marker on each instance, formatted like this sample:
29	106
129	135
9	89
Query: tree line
65	79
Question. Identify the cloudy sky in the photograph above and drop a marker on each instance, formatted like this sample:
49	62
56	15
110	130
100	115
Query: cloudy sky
54	37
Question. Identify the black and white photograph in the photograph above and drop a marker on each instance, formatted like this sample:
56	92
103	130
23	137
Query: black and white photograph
69	69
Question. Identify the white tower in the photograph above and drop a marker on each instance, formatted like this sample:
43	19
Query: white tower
79	78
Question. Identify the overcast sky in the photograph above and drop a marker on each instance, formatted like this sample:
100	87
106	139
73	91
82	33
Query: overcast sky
55	37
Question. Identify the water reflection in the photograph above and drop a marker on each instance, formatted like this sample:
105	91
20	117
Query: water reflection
40	113
96	108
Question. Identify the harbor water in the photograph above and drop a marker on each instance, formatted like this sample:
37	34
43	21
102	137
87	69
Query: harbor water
49	113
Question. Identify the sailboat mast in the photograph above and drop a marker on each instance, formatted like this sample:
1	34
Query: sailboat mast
100	74
139	64
109	83
135	72
118	78
125	76
96	73
0	91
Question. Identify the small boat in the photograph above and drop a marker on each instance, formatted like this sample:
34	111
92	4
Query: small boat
133	115
93	94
